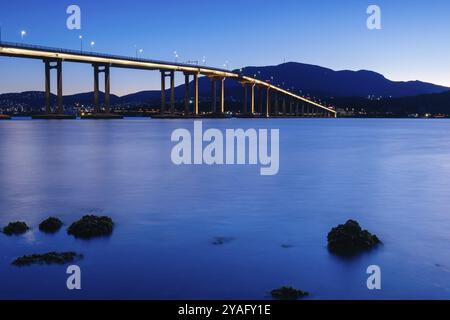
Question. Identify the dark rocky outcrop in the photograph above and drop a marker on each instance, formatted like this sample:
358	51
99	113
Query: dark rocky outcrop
47	258
15	228
91	226
50	225
350	238
288	293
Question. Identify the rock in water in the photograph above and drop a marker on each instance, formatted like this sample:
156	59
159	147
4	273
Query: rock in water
218	241
288	293
47	258
91	226
349	238
51	225
15	228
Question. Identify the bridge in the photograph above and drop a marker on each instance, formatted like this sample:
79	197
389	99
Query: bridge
279	102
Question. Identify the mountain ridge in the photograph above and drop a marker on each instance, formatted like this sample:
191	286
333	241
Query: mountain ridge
305	79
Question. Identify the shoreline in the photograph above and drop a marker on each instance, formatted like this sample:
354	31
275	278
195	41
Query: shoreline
119	116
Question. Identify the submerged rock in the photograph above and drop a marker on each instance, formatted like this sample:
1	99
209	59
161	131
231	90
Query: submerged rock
15	228
50	225
91	226
288	293
218	241
47	258
350	238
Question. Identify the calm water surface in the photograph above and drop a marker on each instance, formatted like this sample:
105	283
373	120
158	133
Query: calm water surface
390	175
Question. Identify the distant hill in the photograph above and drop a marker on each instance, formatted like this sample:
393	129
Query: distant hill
311	80
325	82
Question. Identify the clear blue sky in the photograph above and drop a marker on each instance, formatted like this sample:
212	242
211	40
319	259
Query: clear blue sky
413	44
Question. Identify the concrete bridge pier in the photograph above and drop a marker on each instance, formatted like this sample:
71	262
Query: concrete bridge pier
167	74
187	94
248	110
252	101
297	109
60	109
163	92
284	107
267	111
245	106
222	96
196	109
96	89
213	95
307	111
98	112
59	114
221	111
260	100
50	65
277	111
47	87
172	92
107	89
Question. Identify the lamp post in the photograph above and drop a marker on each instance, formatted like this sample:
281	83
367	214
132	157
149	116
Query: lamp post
23	33
92	46
81	42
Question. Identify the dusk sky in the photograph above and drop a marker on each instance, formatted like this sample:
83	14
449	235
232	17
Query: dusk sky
413	44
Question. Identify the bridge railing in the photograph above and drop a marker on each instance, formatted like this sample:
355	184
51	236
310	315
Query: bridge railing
98	55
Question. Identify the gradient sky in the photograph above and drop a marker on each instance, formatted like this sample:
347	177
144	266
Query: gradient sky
413	44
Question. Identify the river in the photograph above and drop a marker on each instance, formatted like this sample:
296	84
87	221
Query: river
390	175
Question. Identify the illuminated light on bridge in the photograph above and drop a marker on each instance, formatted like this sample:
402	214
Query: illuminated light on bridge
53	59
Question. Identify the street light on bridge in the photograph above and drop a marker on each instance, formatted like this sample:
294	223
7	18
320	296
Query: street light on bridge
92	46
138	52
23	33
81	42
